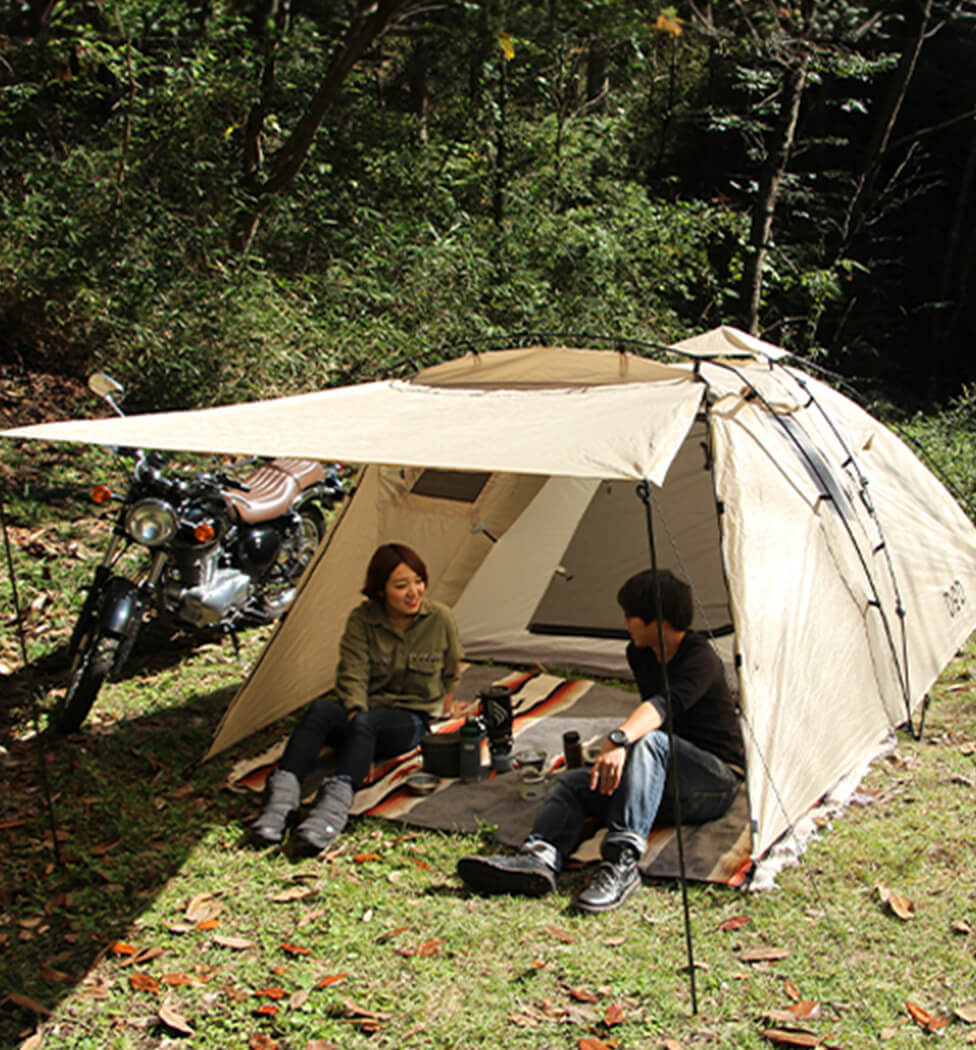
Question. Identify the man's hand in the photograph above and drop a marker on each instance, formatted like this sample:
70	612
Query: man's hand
458	708
608	769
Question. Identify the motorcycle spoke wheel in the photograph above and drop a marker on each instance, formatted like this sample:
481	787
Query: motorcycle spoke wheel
89	670
278	589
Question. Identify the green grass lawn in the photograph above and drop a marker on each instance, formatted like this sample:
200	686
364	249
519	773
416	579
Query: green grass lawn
152	925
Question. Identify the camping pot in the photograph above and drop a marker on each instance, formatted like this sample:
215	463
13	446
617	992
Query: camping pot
532	786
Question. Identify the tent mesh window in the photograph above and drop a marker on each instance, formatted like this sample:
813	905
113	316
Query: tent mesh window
460	485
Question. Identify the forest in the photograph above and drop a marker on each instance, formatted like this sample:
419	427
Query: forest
218	200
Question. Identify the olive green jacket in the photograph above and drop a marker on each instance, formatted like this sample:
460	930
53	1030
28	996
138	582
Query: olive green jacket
380	666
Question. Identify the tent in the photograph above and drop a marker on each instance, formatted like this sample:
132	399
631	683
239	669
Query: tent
830	566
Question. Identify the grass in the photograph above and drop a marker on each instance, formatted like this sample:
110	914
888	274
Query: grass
152	920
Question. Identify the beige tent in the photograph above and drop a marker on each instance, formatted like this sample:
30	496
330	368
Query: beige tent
830	566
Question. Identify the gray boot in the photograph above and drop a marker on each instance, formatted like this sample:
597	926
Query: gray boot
326	818
282	797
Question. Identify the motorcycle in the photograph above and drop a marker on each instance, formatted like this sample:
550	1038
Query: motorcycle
212	553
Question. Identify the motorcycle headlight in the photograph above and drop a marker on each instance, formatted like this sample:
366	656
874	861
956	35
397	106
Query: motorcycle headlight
151	522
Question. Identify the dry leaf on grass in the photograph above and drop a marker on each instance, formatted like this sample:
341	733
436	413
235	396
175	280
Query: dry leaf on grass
141	956
734	922
365	858
202	908
583	996
763	953
560	934
238	944
26	1003
928	1021
173	1020
122	948
174	979
295	949
966	1012
293	893
428	948
792	1037
259	1041
143	982
791	990
333	978
614	1015
390	934
592	1044
896	903
273	992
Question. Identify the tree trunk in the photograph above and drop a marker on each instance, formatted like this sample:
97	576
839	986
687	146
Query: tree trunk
771	177
597	75
884	126
372	22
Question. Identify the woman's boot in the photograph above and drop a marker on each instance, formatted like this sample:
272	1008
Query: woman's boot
326	818
282	797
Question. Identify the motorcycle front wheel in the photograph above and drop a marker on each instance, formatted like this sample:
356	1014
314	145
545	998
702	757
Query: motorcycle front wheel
297	550
89	669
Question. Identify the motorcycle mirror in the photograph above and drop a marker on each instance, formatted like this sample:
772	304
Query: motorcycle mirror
107	388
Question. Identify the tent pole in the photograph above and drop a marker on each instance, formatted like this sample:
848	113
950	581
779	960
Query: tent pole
644	491
33	688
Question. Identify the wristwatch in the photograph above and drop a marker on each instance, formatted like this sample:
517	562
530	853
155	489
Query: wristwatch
618	738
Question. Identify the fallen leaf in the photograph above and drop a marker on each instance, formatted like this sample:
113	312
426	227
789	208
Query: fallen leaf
670	1044
614	1015
274	992
896	903
333	978
791	990
763	953
592	1044
27	1003
296	949
208	924
734	922
202	907
805	1009
561	935
428	948
52	976
294	893
102	848
259	1041
790	1037
355	1010
961	926
267	1010
174	979
389	934
173	1020
967	1012
298	999
143	955
237	943
321	1044
583	996
364	858
35	1041
121	948
143	982
928	1021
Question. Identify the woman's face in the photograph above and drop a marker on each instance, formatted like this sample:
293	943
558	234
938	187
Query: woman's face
404	589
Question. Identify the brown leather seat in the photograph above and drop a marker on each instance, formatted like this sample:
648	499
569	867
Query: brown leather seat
273	488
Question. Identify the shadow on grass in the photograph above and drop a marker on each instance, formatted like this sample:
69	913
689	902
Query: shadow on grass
127	816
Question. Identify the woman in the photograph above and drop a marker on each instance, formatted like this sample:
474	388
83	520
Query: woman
398	664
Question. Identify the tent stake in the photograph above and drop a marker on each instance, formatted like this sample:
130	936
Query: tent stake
644	491
33	688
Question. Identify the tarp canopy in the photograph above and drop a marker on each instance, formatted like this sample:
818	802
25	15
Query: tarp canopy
826	561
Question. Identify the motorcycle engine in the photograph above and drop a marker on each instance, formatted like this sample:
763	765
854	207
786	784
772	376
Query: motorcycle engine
224	591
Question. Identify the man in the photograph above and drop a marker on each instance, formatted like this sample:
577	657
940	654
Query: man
629	786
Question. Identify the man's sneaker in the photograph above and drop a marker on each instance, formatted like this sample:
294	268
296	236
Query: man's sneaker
522	874
612	883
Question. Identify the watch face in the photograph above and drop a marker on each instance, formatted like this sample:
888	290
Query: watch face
618	738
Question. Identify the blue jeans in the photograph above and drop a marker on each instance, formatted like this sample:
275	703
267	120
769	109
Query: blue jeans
379	733
644	796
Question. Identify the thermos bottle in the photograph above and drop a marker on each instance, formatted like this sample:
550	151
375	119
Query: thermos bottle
469	758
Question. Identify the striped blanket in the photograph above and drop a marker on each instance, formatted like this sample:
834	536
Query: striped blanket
544	706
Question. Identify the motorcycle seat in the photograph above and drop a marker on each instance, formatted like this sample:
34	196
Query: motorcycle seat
273	488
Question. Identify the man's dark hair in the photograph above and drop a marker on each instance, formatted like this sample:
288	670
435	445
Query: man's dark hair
638	597
385	559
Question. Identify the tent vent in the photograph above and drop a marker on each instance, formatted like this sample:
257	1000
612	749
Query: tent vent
460	485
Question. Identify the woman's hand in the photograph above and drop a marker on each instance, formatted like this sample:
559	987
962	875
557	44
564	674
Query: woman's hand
454	708
608	769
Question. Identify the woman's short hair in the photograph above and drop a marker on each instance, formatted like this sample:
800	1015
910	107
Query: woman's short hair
385	559
638	597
